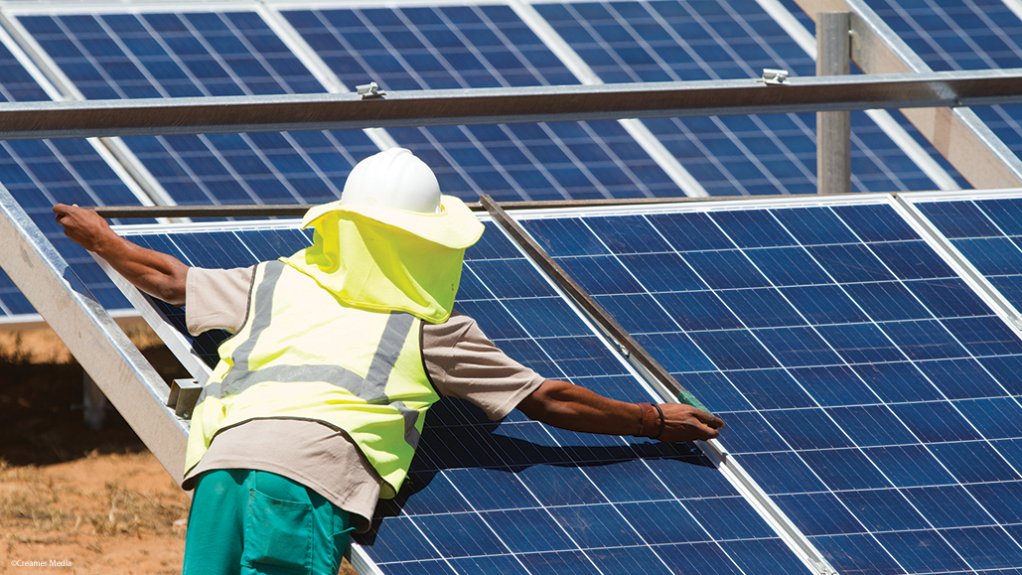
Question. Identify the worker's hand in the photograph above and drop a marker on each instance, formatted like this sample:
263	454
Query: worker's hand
84	226
682	422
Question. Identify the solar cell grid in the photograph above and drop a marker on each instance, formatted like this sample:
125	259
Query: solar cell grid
711	39
518	496
963	35
150	55
861	378
419	48
41	173
988	233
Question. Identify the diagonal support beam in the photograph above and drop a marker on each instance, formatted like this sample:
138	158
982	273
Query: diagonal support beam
958	134
107	355
77	119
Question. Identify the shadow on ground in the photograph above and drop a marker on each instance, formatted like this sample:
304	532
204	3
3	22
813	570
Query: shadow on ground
41	410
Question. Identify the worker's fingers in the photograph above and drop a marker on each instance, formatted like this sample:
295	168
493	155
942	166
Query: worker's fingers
61	208
62	211
683	422
709	419
690	430
684	410
707	431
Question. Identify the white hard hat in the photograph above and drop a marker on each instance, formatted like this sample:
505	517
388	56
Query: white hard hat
393	178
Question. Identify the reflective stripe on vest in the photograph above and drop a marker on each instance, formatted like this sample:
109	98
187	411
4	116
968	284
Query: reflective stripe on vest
372	389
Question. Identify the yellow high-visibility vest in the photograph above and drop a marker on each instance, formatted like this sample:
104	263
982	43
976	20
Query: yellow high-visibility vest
305	353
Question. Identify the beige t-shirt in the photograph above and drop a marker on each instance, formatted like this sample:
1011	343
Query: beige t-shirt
459	358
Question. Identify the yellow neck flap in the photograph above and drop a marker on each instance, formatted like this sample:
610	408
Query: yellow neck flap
370	265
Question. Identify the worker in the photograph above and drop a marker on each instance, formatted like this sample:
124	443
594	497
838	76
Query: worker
316	406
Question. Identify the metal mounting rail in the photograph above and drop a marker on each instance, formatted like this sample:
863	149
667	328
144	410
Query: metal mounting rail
77	119
626	343
298	210
92	335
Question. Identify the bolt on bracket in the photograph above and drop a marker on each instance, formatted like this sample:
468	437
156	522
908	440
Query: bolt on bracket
774	76
370	91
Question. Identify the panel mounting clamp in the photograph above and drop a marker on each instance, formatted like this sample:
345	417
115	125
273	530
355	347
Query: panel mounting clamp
774	76
370	91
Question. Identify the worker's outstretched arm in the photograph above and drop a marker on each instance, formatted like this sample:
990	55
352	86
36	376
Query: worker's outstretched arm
158	274
574	407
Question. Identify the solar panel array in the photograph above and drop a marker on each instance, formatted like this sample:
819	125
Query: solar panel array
42	173
718	40
485	46
518	496
988	233
964	35
866	386
237	53
205	54
145	52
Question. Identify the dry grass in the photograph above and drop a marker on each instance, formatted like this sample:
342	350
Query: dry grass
132	512
30	499
42	346
36	501
103	513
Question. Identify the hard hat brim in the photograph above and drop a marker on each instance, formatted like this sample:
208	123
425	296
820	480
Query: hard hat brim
455	226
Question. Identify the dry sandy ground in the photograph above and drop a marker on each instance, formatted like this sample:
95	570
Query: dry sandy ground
92	502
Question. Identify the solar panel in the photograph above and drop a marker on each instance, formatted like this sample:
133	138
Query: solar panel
986	230
482	46
963	35
41	173
152	55
522	497
711	40
866	386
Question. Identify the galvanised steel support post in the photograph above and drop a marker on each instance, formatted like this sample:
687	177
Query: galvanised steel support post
126	378
833	129
957	133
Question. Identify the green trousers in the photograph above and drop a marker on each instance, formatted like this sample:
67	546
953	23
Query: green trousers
246	522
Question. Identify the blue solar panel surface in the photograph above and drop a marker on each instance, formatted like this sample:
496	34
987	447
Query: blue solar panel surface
963	35
522	497
717	39
482	47
205	54
866	387
41	173
989	234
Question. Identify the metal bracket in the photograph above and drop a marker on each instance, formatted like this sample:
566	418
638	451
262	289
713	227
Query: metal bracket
184	394
774	76
370	91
